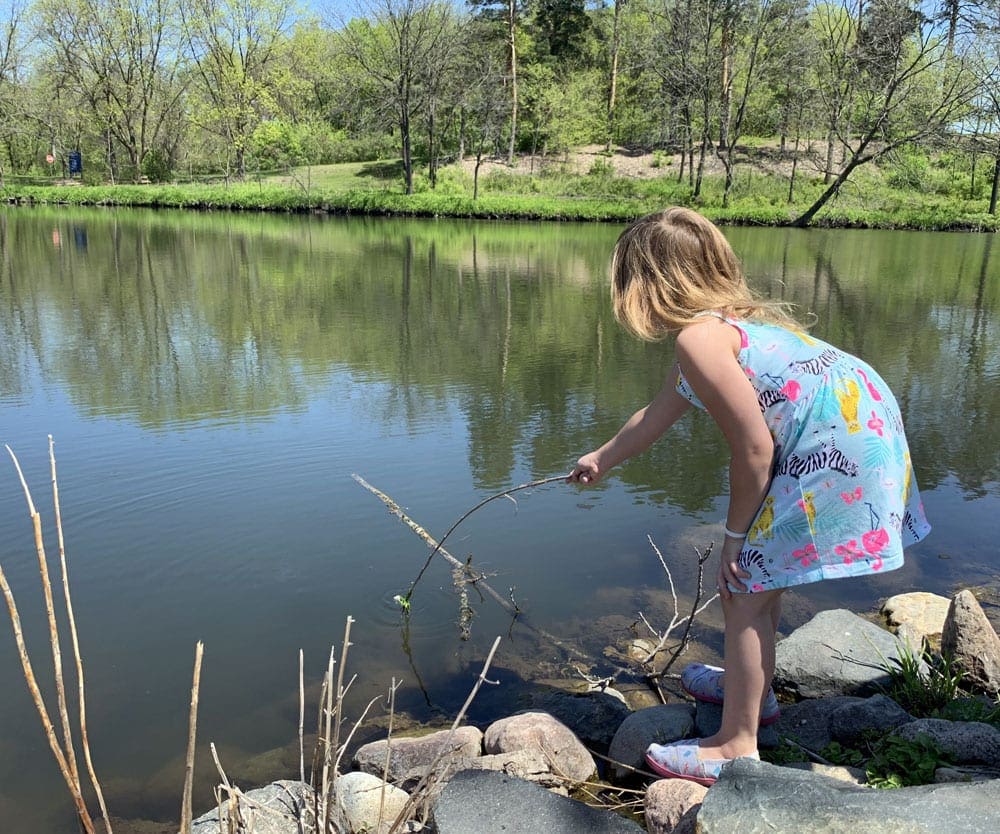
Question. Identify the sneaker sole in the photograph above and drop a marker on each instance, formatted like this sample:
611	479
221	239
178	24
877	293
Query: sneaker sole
764	721
667	773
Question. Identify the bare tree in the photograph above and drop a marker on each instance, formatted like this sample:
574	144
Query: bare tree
903	87
397	44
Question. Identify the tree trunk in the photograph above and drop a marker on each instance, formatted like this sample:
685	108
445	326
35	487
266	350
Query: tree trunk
431	159
461	134
511	33
404	137
613	91
995	190
834	187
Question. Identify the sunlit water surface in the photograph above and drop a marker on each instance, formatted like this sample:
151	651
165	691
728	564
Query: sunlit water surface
213	381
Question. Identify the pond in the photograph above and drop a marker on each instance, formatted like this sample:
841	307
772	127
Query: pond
212	383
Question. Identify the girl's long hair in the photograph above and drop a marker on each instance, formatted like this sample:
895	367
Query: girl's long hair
670	266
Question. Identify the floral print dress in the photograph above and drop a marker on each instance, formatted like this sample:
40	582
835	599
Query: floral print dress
843	499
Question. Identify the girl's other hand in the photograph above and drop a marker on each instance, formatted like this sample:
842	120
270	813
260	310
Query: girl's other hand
730	573
586	471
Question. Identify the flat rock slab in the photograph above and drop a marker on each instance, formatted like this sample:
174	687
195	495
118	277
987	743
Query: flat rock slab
835	653
483	802
758	798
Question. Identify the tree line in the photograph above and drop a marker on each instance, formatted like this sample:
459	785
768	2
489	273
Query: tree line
157	89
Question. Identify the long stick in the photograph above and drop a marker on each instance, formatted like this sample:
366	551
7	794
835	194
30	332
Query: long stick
482	503
482	584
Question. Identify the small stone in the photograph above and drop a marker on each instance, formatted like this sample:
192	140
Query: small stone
672	806
367	801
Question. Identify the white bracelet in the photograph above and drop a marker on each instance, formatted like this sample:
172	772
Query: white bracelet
731	535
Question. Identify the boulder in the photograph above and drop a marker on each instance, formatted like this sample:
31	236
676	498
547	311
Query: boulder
967	742
484	802
808	722
565	753
272	809
849	722
835	653
407	754
921	613
593	717
368	803
672	806
971	643
754	797
660	724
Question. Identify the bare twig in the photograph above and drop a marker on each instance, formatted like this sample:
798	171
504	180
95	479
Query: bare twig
302	717
430	774
186	815
64	756
78	658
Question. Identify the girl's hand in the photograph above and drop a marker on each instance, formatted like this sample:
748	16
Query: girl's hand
730	573
586	471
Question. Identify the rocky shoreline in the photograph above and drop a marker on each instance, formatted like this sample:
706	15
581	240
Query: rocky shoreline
544	770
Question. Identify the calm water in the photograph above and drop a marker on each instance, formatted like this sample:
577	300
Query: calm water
212	382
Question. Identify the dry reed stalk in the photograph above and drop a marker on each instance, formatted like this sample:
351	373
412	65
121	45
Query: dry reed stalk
430	777
388	748
302	717
50	611
508	606
186	815
81	696
65	756
43	713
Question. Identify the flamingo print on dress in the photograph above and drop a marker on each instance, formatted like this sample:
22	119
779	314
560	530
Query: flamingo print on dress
875	395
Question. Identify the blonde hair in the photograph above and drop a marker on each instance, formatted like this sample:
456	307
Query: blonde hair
670	266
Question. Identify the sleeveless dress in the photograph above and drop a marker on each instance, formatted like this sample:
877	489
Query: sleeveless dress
843	499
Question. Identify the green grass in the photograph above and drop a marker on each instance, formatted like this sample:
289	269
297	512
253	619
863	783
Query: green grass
376	188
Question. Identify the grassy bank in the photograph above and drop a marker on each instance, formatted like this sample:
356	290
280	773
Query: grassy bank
600	194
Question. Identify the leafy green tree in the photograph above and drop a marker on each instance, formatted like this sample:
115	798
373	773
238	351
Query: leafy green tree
120	58
233	46
398	47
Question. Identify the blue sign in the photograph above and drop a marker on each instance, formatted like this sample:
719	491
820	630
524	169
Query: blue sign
75	162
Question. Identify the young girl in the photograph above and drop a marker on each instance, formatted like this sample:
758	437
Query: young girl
820	478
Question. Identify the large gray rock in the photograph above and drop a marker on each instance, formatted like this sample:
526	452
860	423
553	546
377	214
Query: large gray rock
273	809
835	653
661	724
567	757
483	802
969	640
407	754
808	722
849	722
967	742
758	798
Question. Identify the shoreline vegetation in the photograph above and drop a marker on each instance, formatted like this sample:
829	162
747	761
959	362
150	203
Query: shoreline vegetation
588	186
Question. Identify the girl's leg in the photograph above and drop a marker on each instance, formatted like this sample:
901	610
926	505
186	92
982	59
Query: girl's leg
751	625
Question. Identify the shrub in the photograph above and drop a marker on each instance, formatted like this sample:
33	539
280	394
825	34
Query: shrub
898	763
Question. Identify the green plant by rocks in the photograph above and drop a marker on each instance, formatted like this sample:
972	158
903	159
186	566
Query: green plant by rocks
922	684
971	709
900	763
